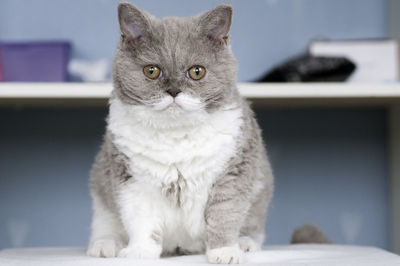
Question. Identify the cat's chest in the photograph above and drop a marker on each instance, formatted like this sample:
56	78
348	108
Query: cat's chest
179	158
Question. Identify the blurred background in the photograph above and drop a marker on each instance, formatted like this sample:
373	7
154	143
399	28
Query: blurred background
331	164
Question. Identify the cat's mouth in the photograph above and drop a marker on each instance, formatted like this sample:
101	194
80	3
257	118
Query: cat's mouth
174	106
181	102
167	103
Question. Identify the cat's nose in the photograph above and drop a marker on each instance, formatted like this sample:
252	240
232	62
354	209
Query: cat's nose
173	92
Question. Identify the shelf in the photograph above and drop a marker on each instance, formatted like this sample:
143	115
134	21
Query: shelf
266	94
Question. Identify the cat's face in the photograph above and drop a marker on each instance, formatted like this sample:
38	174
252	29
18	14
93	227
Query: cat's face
175	65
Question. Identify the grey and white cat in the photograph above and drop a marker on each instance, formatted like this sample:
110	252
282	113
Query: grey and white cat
182	169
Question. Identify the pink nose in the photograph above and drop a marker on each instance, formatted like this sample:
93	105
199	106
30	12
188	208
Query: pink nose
173	92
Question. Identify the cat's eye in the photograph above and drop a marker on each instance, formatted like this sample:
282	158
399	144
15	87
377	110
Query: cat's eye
152	72
196	72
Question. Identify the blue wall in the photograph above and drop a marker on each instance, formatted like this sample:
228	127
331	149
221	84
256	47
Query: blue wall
264	32
330	168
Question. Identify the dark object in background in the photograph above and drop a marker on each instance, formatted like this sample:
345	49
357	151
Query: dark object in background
309	233
1	70
34	61
309	68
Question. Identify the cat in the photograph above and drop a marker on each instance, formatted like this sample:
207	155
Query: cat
183	168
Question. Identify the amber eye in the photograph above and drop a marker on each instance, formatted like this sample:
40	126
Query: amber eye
196	72
152	72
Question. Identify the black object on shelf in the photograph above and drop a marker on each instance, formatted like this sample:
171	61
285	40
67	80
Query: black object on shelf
308	68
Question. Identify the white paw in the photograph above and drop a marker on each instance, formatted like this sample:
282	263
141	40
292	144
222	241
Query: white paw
248	245
225	255
141	251
104	247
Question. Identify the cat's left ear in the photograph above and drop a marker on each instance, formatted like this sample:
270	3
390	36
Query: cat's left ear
216	23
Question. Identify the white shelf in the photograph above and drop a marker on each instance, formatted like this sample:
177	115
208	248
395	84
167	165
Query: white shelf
286	94
54	90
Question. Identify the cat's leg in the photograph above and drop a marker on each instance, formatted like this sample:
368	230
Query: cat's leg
225	213
140	215
252	232
235	211
106	238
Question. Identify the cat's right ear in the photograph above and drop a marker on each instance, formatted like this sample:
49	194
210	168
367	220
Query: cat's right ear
133	22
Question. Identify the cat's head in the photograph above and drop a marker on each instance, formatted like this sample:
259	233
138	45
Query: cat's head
175	65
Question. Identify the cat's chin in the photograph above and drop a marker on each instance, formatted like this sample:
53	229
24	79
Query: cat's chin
174	109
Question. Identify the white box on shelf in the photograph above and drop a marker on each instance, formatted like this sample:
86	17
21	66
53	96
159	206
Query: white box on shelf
376	60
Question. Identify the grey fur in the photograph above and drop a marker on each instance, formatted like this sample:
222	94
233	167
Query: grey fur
234	207
239	198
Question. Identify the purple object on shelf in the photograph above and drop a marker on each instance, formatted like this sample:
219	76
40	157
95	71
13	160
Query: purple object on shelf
34	61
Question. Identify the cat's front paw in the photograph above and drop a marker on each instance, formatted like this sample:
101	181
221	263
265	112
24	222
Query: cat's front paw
225	255
141	251
104	247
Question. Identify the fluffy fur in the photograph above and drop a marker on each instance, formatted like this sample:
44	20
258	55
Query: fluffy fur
178	175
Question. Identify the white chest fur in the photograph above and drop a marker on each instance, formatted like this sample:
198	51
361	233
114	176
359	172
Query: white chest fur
179	160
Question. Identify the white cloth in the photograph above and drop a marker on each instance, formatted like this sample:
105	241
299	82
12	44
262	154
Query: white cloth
326	255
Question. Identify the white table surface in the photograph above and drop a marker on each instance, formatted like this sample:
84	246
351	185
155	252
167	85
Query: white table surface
326	255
